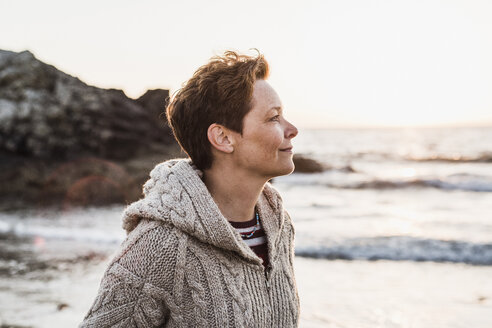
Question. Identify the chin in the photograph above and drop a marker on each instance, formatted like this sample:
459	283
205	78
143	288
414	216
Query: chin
291	169
285	170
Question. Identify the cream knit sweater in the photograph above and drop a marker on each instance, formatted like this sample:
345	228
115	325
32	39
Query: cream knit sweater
183	265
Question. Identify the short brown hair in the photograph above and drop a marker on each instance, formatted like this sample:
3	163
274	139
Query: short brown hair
219	92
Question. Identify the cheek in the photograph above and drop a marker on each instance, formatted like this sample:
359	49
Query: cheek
264	144
272	142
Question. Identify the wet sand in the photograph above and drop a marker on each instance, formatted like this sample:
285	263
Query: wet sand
333	294
394	294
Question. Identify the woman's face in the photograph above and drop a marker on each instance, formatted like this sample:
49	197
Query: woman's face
265	146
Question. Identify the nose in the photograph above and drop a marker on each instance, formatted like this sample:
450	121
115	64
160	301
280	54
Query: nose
290	131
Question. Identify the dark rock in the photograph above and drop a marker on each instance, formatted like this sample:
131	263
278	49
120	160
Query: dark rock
348	169
307	165
62	306
45	113
79	182
67	143
155	101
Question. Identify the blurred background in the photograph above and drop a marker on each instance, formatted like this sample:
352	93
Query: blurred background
392	193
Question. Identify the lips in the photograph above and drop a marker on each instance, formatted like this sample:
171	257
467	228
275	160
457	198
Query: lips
289	149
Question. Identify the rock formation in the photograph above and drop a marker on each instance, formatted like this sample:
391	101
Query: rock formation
45	113
49	119
304	164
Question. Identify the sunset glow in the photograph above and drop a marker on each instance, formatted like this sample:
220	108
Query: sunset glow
350	63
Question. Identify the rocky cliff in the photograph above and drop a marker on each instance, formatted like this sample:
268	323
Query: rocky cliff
45	113
61	139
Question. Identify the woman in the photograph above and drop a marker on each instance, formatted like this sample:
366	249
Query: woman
210	244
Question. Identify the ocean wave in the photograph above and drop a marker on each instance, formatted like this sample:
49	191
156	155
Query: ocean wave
403	248
476	185
459	181
482	158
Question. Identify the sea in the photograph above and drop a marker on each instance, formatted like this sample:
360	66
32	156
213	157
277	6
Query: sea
395	194
396	232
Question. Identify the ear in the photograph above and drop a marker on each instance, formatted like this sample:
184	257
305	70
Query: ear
221	138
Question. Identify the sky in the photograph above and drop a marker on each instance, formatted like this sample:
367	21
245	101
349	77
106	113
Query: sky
346	63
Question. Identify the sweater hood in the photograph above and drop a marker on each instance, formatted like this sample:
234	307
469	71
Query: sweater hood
176	195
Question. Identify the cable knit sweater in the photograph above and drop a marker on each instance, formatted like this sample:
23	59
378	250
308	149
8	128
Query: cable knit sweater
183	265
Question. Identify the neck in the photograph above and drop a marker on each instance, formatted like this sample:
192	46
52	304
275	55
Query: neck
234	191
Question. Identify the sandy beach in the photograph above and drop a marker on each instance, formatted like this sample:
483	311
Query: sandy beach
333	294
393	294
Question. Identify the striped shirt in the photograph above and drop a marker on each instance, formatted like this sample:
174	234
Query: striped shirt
257	242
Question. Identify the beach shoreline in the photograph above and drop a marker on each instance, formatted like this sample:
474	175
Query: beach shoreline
333	294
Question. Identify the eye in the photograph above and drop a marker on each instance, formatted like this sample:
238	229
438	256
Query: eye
275	118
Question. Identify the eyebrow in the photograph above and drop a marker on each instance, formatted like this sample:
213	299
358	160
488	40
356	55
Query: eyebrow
276	108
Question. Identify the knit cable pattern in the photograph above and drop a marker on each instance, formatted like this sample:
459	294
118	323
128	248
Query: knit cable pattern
184	265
